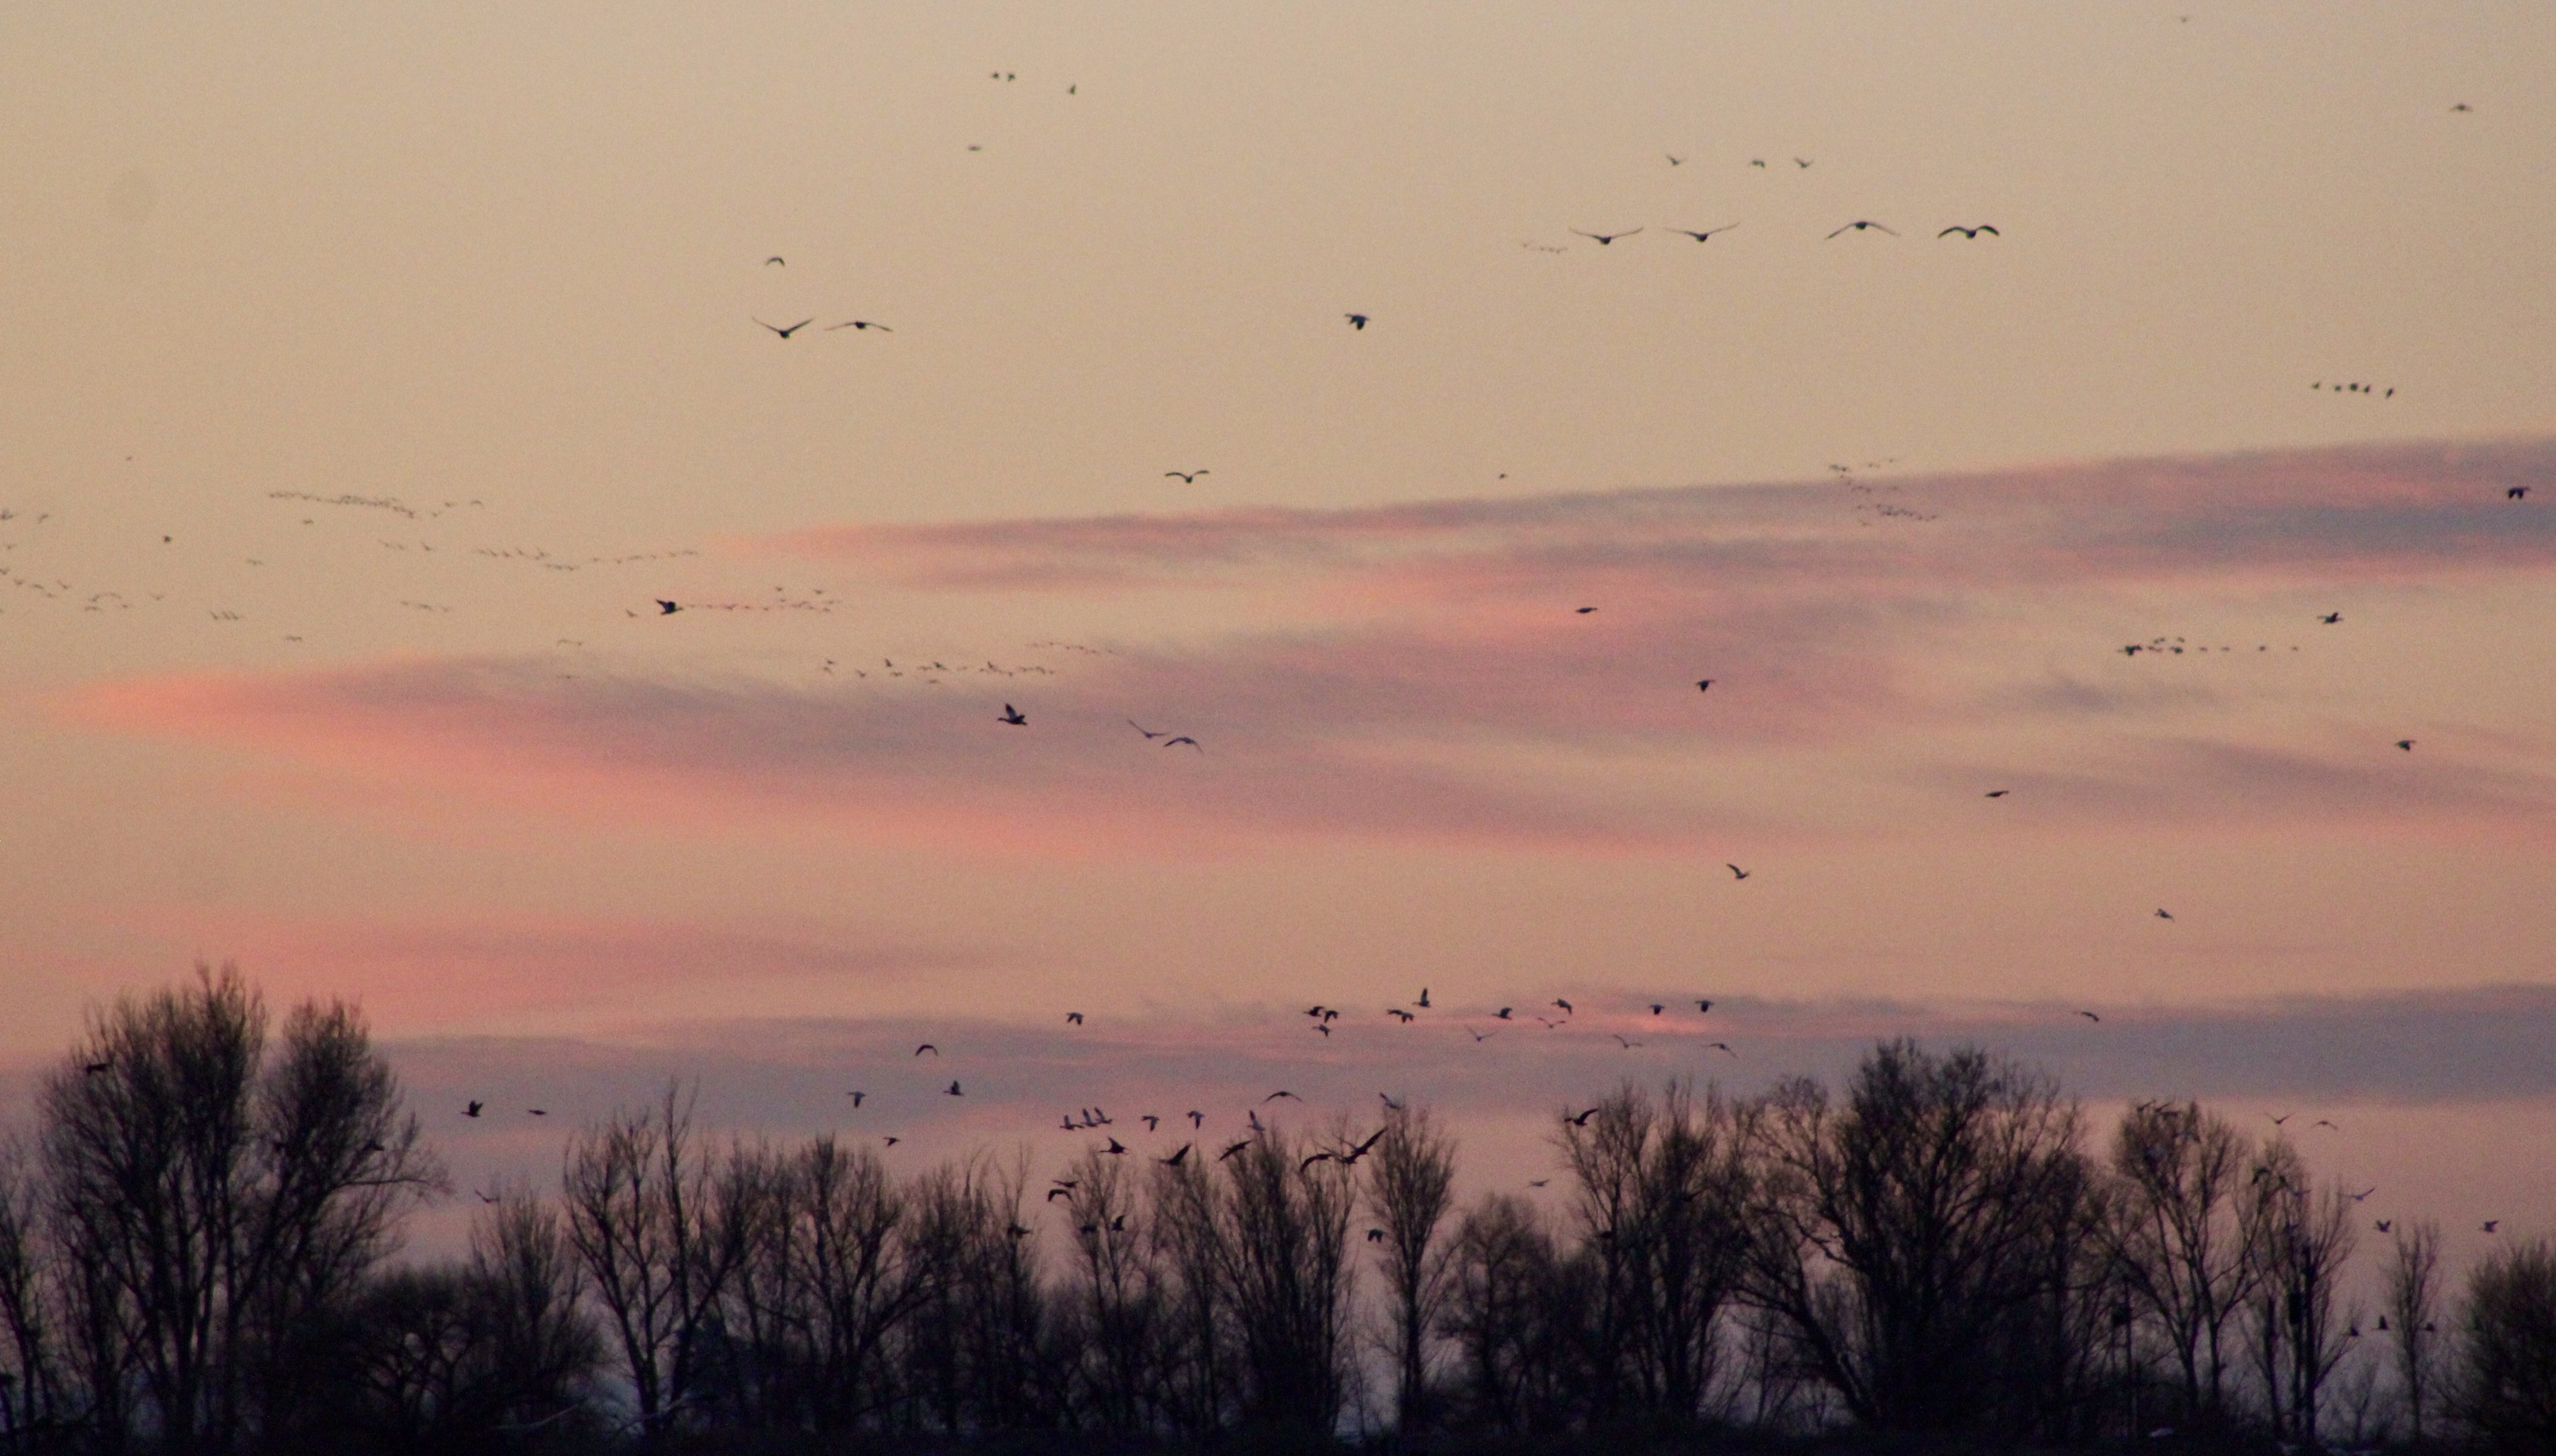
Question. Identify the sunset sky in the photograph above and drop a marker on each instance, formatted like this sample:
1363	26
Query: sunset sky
370	374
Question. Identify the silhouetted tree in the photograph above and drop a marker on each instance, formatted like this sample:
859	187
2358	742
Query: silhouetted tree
1287	1280
2178	1241
2300	1238
1663	1194
2506	1389
645	1216
2413	1300
1902	1237
1519	1315
214	1197
1410	1175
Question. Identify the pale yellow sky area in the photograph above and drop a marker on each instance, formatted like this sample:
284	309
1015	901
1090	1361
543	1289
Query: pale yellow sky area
371	374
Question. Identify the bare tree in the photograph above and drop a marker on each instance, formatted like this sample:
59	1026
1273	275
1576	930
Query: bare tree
1411	1170
2506	1387
2177	1239
30	1373
641	1204
2413	1298
1191	1240
213	1198
2300	1239
1287	1280
1519	1315
1662	1194
1119	1296
1902	1237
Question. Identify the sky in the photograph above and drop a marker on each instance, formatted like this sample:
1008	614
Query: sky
372	376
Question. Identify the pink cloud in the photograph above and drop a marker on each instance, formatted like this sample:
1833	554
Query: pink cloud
1425	675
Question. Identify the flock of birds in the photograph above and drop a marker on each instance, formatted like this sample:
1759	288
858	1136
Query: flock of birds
1319	1018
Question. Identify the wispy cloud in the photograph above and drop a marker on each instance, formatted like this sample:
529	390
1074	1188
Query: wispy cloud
1424	671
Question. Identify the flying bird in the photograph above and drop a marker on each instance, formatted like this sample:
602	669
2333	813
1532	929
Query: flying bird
926	1046
1356	320
2490	1223
1619	1037
2089	1016
1073	1018
1861	224
1674	161
1705	684
1736	873
856	1097
1503	1013
1115	1149
776	258
954	1090
665	607
1187	477
1176	1159
2162	915
1584	610
538	1111
1234	1149
1579	1120
1184	738
1013	715
1423	1001
1970	232
859	323
2517	493
1703	1007
1566	1006
1658	1008
1803	163
892	1142
1197	1118
1601	239
785	332
2406	744
1707	235
473	1109
1149	732
1150	1120
1720	1047
1999	793
2329	618
1281	1092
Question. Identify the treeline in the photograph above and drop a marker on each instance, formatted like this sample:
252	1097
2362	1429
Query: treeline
198	1240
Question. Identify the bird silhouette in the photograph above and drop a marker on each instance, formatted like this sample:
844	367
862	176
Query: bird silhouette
1013	715
2517	493
1619	1037
1705	684
1707	235
892	1142
954	1090
2490	1223
1376	1236
1861	224
1176	1158
1197	1119
1970	232
2162	915
1674	160
1601	239
776	258
1658	1008
473	1109
1503	1013
1184	738
2089	1016
2406	744
1423	1001
1999	793
1054	1194
2383	1225
786	332
1758	162
1281	1092
1404	1017
1233	1150
1073	1018
1481	1037
1150	1121
1583	611
1149	732
1703	1007
859	323
2329	618
856	1097
1803	163
538	1111
1356	320
1720	1047
2283	1118
1566	1006
665	607
1115	1149
1389	1104
1579	1120
926	1046
1736	873
1187	477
